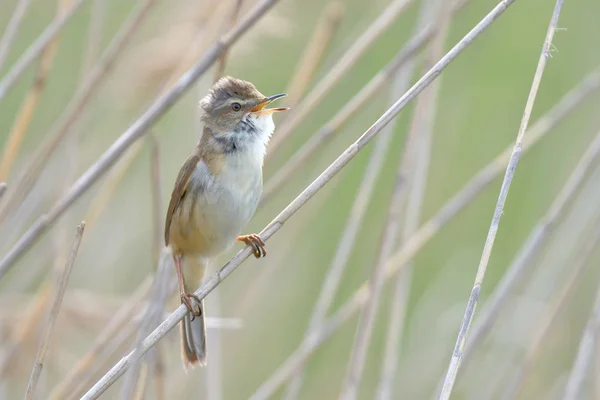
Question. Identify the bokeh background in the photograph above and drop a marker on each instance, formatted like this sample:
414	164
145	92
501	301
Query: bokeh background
266	304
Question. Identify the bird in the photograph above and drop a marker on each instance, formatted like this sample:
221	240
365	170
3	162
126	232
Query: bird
216	193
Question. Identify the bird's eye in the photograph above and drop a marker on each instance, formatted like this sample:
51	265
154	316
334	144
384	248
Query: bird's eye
236	107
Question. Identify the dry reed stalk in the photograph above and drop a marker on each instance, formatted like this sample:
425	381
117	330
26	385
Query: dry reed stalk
74	109
568	103
94	37
150	318
558	302
29	104
309	344
211	283
26	327
314	51
393	11
235	13
422	129
10	33
352	228
491	237
587	349
61	286
118	322
378	82
36	48
116	344
542	231
134	132
112	183
389	238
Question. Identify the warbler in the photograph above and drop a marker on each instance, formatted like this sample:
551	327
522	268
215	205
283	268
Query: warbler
216	194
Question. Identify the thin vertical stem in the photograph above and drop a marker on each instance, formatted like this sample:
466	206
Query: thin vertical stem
36	48
131	135
558	302
489	243
27	109
394	9
56	304
235	13
585	354
8	37
314	51
347	242
422	130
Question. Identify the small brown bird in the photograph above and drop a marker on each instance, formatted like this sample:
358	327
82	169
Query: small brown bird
216	193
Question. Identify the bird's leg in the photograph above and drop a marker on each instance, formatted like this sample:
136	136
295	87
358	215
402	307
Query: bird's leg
186	298
254	241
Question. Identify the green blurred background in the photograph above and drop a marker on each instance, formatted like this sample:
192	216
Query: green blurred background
482	96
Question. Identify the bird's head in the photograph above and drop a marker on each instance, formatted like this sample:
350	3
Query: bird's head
236	107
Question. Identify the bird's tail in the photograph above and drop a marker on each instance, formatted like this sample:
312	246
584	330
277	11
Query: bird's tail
193	339
193	333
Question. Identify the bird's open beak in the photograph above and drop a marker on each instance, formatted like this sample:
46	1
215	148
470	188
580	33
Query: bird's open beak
260	107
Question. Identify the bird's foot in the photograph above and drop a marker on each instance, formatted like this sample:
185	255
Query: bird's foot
192	302
257	244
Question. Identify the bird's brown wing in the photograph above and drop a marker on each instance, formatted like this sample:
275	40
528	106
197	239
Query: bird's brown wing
179	190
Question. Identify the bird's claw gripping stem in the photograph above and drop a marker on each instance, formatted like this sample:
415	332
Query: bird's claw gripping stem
257	244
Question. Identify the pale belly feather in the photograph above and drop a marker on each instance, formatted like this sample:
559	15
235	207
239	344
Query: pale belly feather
215	210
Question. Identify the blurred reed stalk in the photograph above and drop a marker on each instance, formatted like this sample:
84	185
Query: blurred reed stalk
406	168
393	11
422	131
30	102
2	189
61	286
526	255
221	62
542	231
309	192
491	236
150	318
34	51
585	353
325	133
353	225
567	104
64	125
94	36
557	303
133	133
355	220
315	49
8	37
100	347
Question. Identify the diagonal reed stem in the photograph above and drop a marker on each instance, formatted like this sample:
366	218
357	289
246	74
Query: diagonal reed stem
539	234
358	357
347	242
36	48
110	377
568	103
56	304
134	132
585	353
314	51
394	9
8	37
558	302
75	108
326	133
29	104
491	237
422	128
